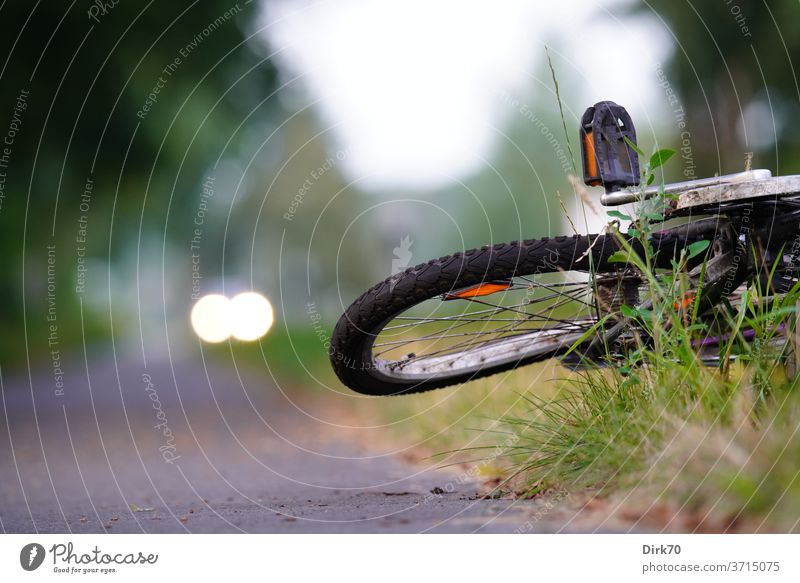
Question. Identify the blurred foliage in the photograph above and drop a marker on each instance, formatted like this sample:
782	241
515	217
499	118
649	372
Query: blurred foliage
731	56
88	72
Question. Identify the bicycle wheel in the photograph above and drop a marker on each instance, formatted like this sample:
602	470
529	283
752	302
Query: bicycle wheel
473	314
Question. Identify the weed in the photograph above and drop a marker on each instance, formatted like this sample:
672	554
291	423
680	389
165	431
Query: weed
721	442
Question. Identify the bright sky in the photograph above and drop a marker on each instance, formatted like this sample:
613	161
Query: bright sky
412	86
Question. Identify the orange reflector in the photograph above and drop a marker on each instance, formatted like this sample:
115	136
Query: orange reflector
592	176
476	291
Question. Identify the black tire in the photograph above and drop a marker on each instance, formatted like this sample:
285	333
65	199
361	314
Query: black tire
352	338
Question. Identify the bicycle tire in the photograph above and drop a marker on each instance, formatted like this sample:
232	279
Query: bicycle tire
350	352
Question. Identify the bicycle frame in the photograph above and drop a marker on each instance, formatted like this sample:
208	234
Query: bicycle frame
621	197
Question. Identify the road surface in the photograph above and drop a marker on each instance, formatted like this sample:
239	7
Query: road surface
191	447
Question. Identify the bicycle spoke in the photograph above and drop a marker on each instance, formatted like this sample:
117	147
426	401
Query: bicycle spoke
544	311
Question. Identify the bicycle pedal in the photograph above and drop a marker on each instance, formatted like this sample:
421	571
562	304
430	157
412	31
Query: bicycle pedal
608	160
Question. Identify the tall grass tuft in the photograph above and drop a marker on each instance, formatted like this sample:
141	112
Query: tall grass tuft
720	442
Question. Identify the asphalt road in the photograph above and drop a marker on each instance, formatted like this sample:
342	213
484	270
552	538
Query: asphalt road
187	448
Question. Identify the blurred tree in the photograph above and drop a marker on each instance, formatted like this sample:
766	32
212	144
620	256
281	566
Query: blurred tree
735	68
111	114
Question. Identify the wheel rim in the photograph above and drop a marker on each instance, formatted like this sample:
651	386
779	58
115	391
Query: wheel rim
528	316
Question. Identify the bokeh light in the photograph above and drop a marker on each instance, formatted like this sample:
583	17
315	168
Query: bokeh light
251	316
248	316
211	318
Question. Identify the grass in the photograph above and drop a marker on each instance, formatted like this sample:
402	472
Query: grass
460	424
662	439
719	447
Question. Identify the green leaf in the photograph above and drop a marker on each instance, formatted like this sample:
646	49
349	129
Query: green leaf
654	216
632	232
651	179
697	248
635	313
618	257
660	158
634	147
619	215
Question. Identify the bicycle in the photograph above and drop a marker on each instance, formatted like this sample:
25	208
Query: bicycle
483	311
